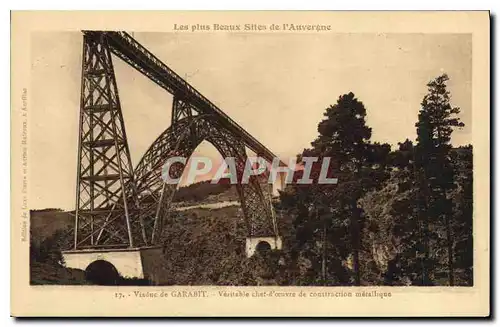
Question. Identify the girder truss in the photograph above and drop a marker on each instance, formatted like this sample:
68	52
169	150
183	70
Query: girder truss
118	206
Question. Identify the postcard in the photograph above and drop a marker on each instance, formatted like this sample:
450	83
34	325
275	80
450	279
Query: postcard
258	163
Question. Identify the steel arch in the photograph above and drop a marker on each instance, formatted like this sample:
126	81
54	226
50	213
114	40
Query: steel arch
181	139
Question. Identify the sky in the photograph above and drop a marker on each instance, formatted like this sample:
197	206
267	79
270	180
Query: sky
276	86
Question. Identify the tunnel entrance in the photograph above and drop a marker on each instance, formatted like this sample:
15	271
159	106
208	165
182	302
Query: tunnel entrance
102	272
263	247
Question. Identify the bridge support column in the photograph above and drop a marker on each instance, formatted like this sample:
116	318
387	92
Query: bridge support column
129	262
261	243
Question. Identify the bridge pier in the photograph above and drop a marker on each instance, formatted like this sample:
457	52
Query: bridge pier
129	262
270	243
110	191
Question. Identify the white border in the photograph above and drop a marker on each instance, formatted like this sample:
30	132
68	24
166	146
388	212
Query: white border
182	5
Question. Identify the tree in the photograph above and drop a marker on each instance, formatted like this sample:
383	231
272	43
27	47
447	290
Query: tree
434	169
331	222
463	206
407	266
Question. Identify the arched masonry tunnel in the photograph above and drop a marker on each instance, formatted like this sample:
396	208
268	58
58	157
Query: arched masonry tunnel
128	263
262	244
102	272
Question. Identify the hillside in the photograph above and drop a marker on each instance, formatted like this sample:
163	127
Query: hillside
201	247
44	223
205	192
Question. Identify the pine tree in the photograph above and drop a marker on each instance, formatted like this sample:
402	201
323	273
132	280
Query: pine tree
434	172
344	136
334	222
